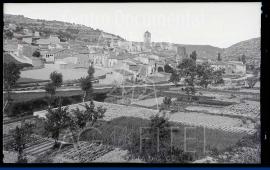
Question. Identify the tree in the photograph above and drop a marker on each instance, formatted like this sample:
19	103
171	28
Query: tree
10	77
188	70
239	59
56	120
157	148
256	71
50	89
193	55
20	136
8	34
86	83
217	76
36	54
92	113
158	137
187	67
205	74
251	81
175	78
219	57
168	68
19	29
56	79
243	59
167	101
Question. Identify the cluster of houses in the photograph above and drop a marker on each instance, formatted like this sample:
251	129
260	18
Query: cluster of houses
130	58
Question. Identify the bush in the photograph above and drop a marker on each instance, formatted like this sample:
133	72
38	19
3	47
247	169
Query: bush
251	81
28	107
19	109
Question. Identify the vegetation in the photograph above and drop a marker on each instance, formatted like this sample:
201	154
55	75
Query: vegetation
86	84
91	115
217	76
167	101
56	121
175	78
205	74
36	54
219	57
56	81
20	135
188	70
168	68
8	34
199	74
10	77
243	59
251	81
193	55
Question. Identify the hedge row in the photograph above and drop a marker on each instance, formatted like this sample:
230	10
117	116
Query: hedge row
28	107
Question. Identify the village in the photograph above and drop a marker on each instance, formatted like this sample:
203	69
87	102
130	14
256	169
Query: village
211	107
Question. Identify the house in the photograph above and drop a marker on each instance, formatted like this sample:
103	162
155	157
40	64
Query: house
11	46
27	49
231	67
44	43
83	61
100	59
56	54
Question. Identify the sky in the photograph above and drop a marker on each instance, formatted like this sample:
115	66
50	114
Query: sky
216	24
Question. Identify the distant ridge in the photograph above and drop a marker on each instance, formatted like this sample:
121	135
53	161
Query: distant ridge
250	48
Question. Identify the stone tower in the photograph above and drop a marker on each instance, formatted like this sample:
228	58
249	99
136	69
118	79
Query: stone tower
147	39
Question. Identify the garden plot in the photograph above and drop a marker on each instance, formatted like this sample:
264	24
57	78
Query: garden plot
117	155
35	145
246	110
249	108
227	124
149	102
189	118
85	152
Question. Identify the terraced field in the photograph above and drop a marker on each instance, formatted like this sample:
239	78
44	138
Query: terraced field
35	145
189	118
85	152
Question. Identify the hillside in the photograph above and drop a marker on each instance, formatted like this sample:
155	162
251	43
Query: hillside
7	58
250	48
64	29
203	51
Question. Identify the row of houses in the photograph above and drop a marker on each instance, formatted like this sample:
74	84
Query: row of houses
230	67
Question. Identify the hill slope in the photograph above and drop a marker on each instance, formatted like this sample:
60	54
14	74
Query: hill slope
203	51
250	48
64	29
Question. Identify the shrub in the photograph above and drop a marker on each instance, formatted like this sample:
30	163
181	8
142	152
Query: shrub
28	107
251	81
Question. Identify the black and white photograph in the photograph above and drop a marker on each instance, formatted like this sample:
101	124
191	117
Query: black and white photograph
138	83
